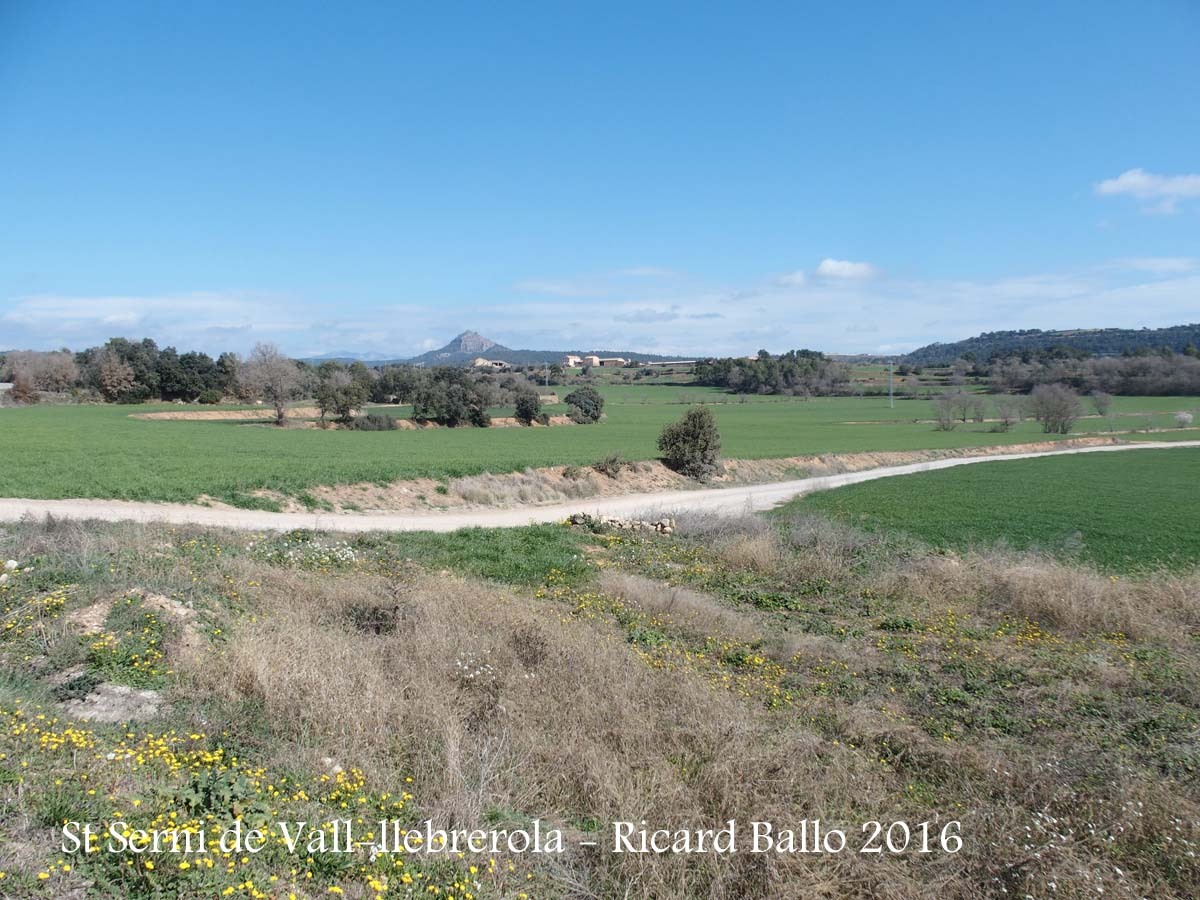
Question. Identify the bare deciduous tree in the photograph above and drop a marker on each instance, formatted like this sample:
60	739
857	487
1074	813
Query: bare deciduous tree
52	371
1008	412
1055	406
944	412
1101	402
962	404
273	377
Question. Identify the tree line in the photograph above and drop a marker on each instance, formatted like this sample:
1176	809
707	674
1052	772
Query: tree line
1142	374
444	395
795	373
125	371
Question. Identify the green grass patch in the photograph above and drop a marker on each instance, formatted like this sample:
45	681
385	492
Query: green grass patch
130	649
1125	511
101	452
521	556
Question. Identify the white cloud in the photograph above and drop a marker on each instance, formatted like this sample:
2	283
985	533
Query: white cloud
1162	193
844	269
647	314
1160	265
671	317
198	320
792	279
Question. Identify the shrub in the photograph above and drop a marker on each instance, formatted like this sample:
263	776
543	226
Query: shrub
529	408
692	446
210	396
373	422
1055	406
23	391
586	405
611	465
1183	419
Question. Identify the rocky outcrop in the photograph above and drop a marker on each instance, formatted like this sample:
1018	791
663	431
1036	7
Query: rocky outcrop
665	525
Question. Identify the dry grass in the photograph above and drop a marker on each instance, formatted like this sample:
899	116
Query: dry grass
1069	599
762	553
502	704
702	614
561	720
530	486
704	525
1074	601
745	541
564	718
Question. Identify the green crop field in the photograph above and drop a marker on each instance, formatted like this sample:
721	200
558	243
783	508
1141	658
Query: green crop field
1121	511
100	451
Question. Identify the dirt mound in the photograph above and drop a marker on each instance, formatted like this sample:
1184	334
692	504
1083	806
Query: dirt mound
297	415
750	471
187	643
228	415
552	484
107	702
557	484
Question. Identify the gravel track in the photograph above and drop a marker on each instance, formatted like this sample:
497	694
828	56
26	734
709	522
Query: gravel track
729	500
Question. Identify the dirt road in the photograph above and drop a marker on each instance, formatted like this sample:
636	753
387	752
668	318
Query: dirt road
722	500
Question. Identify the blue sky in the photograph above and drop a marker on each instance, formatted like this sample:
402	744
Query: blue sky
691	177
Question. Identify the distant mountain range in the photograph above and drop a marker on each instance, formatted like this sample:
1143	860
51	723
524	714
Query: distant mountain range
348	356
471	344
1095	341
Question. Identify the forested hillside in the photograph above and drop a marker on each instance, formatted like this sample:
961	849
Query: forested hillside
1092	342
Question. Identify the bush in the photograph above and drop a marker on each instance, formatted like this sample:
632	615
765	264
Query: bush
210	397
23	391
692	446
529	408
1183	420
373	422
586	405
610	465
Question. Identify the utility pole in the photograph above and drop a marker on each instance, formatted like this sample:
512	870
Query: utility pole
891	393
